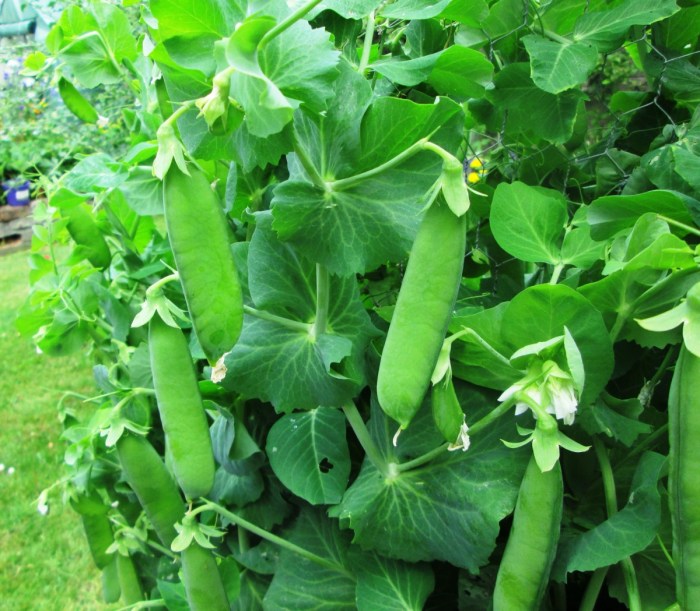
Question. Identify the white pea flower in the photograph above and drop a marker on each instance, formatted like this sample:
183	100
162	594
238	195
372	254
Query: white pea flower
463	441
218	372
102	122
11	471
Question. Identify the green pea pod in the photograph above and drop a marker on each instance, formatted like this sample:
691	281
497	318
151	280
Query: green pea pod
98	530
145	472
111	590
422	313
205	590
684	477
447	412
198	236
87	235
454	188
76	103
181	409
524	571
131	592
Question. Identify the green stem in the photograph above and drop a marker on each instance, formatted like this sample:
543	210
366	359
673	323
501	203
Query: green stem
590	596
179	112
439	151
156	603
611	507
492	416
288	323
556	37
159	284
617	326
556	272
360	429
422	459
367	46
287	23
268	536
678	224
351	181
163	550
308	164
322	299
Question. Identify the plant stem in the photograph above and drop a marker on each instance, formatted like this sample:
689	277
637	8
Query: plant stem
156	286
288	323
422	459
351	181
162	549
556	272
322	299
268	536
179	112
611	507
367	46
307	164
592	592
287	23
492	416
439	151
360	429
678	224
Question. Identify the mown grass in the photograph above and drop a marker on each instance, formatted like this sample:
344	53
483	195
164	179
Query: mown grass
44	561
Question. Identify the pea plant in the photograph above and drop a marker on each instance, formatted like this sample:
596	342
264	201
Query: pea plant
392	305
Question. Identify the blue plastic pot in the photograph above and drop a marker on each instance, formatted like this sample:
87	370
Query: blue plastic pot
17	195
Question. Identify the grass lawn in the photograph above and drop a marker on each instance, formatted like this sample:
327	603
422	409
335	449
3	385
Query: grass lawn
44	560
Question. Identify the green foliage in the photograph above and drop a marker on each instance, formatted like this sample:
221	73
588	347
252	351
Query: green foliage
315	144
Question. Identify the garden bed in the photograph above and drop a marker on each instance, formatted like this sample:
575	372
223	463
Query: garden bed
15	228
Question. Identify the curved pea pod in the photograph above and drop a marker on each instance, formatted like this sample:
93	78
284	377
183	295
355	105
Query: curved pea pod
145	472
181	409
524	571
98	530
202	580
111	590
131	591
422	313
454	187
447	412
684	477
76	102
87	235
198	236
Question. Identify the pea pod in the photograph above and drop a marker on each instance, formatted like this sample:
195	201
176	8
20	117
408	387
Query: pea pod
181	409
422	313
128	580
87	235
198	236
98	530
205	590
111	590
145	472
76	102
524	571
447	412
684	477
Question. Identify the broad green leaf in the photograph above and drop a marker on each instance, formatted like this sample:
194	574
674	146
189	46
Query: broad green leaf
688	167
350	9
415	9
579	249
357	228
468	12
681	78
309	454
555	66
398	515
296	67
461	73
541	312
625	533
190	18
302	584
94	174
528	222
253	588
616	418
409	72
384	584
610	214
531	110
288	366
606	29
143	192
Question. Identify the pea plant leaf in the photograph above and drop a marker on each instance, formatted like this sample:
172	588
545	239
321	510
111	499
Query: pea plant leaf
528	222
558	66
623	534
606	29
398	517
384	584
300	583
532	111
541	312
286	365
309	454
356	228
